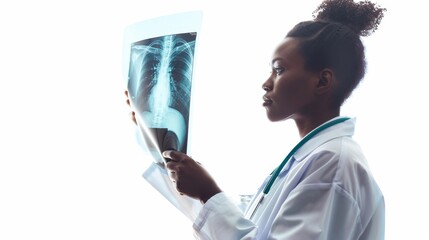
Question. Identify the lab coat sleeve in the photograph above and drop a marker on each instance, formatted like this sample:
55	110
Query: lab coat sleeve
220	219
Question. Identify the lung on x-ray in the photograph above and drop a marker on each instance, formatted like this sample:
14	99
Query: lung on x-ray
159	88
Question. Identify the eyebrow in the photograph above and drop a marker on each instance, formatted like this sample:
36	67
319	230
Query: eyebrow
275	60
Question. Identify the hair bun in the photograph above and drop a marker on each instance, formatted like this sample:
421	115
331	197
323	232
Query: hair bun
362	17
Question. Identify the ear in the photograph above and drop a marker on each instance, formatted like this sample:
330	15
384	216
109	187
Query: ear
326	81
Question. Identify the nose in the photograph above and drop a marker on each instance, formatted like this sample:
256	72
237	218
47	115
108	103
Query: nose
267	86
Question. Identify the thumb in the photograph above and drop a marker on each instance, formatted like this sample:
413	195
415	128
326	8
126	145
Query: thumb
167	153
171	154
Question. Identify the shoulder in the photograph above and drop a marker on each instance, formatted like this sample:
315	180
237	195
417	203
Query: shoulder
342	151
341	162
347	157
336	160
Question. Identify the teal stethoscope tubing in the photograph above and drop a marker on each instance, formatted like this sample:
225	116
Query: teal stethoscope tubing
307	137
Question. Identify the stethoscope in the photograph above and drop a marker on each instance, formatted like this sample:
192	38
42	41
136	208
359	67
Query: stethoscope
257	202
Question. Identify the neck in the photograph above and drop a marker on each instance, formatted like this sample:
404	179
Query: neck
307	124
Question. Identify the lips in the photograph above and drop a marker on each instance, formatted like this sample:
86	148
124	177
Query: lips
267	101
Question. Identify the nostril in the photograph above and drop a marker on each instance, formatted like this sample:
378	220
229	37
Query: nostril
266	88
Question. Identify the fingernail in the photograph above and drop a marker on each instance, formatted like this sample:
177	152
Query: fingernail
165	153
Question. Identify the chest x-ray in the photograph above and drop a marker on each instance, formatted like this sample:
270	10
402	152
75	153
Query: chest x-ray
159	62
159	86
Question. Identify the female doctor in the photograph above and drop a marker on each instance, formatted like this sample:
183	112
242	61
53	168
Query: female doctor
324	188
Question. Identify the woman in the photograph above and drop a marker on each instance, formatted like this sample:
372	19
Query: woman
324	188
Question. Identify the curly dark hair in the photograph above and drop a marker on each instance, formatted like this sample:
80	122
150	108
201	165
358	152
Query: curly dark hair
332	40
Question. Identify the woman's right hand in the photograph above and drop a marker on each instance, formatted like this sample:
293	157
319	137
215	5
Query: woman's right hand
132	113
189	177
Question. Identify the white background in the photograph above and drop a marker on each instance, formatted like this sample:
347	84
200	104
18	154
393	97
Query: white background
70	167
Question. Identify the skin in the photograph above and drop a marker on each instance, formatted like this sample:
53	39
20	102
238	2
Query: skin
291	92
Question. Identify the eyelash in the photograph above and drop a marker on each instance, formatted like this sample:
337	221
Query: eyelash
278	70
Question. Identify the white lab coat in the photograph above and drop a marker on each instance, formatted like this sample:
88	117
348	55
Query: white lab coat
325	191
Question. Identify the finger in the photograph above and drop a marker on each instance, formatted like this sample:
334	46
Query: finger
175	186
133	117
173	166
174	155
173	176
167	154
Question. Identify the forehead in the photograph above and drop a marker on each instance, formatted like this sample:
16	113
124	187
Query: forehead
288	51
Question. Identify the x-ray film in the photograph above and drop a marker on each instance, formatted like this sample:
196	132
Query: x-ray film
159	67
161	57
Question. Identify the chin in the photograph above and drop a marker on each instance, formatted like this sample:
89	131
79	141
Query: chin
277	118
272	118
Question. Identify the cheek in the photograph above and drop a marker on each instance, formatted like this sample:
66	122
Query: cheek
292	94
288	89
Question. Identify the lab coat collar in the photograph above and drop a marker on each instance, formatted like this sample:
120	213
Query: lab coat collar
342	129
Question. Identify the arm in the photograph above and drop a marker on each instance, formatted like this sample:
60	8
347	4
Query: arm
220	217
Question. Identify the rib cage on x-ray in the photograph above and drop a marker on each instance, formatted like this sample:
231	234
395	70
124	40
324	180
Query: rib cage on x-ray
159	82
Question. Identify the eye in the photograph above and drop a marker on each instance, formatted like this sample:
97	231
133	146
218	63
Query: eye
278	70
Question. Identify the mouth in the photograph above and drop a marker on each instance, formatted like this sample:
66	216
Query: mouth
267	101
